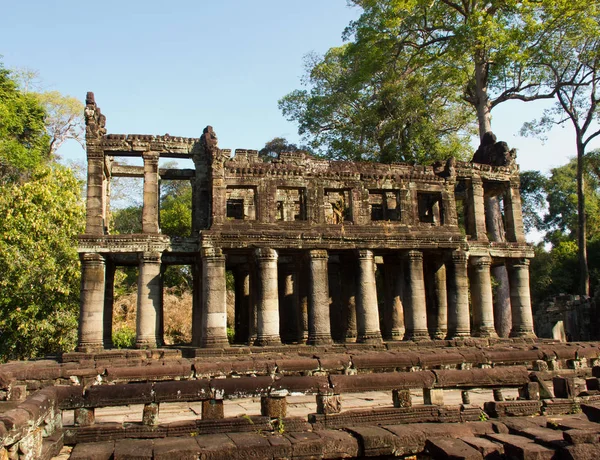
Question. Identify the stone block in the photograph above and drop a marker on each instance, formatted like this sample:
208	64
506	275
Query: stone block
329	403
150	414
512	408
273	406
433	396
338	444
581	452
17	393
498	396
465	397
212	409
488	449
522	448
30	446
450	449
305	444
540	365
133	449
401	398
530	391
564	387
581	436
377	441
176	449
85	416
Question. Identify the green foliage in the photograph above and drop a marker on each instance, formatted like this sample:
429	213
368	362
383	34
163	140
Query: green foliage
24	144
176	209
127	220
123	337
39	269
359	106
533	198
278	145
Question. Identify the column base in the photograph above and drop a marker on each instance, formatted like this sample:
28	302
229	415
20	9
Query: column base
459	335
319	340
373	337
522	334
488	332
214	342
90	347
267	341
417	336
349	339
146	343
440	335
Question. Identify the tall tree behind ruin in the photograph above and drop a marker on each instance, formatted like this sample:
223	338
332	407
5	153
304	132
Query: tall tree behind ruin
480	54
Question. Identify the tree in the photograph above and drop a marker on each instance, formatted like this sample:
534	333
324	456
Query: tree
23	140
533	197
39	269
64	114
277	146
575	71
362	107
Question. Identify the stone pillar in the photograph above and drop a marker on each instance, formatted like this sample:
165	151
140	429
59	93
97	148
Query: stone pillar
349	301
214	299
268	298
458	298
440	329
481	297
149	301
289	303
476	211
367	313
242	303
109	291
415	310
197	302
95	193
393	321
520	300
335	299
319	327
303	284
92	302
150	208
513	212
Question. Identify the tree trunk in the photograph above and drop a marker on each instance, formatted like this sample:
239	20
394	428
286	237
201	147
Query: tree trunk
584	275
494	221
495	229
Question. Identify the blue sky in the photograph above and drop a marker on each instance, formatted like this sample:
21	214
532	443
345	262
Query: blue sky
174	67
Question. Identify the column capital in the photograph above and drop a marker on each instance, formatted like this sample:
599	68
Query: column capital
212	253
519	263
414	254
318	254
481	261
459	257
150	156
265	254
94	152
364	254
150	257
91	258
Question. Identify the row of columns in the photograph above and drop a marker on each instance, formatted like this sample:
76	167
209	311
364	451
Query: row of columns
405	299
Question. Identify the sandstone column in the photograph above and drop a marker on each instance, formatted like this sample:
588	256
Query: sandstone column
513	212
109	290
481	297
268	298
243	303
367	313
415	310
335	299
95	192
214	299
458	297
197	302
441	301
303	291
92	302
393	321
319	327
348	274
150	207
476	211
148	305
289	303
522	317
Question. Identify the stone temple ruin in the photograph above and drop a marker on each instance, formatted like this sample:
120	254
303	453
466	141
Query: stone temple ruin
333	264
304	238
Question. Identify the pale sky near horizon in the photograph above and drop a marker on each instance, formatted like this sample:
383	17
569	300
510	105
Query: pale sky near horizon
175	67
